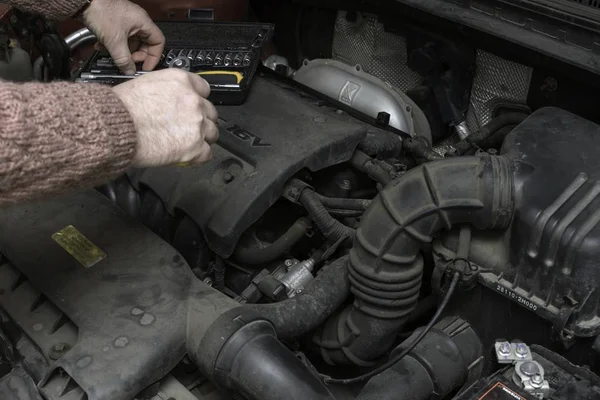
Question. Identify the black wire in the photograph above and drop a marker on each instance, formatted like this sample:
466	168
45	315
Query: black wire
391	362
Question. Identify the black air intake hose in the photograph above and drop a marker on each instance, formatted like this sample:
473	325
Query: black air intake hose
333	229
448	357
385	265
240	351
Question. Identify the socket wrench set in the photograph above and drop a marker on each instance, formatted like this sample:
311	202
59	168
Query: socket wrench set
225	54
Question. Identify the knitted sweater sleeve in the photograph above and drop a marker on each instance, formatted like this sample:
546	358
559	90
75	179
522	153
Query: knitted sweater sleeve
52	9
60	136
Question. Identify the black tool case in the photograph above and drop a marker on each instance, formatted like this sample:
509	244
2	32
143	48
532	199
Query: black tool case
231	48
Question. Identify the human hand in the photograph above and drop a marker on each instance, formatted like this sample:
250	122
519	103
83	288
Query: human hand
174	121
127	32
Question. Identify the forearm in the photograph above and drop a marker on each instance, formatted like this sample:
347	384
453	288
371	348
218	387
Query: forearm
52	9
60	136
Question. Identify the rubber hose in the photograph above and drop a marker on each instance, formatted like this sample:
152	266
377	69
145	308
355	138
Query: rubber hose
478	138
344	204
240	352
366	164
421	149
307	311
381	143
385	264
497	139
331	228
259	256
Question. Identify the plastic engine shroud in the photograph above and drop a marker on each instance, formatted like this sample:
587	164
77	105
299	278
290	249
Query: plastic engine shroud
264	142
548	261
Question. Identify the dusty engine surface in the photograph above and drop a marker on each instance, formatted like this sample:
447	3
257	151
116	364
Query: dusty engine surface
264	142
414	224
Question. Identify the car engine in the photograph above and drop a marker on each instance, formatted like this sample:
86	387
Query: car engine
422	230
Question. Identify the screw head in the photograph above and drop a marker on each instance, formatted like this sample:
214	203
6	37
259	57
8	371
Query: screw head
521	349
178	63
289	263
530	368
537	379
504	348
208	281
58	350
345	184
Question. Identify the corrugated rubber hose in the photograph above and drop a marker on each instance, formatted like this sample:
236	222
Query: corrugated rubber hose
386	267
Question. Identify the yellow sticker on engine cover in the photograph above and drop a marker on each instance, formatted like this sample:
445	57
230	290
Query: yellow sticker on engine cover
80	247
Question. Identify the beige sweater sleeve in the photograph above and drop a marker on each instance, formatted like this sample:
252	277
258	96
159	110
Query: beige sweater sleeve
52	9
60	136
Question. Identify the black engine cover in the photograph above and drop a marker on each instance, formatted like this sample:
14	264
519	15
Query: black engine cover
549	261
264	142
555	244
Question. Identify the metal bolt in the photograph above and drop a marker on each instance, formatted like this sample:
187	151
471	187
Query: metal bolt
530	368
208	281
345	184
58	350
521	349
504	348
537	379
178	63
228	177
289	263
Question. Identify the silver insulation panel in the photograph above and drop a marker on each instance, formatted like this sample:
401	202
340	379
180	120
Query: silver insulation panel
383	54
496	80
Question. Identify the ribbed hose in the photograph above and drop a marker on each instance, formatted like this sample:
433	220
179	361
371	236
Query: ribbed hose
333	229
385	265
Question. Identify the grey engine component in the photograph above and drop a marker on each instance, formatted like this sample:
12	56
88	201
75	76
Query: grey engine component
547	261
15	64
264	142
127	321
365	93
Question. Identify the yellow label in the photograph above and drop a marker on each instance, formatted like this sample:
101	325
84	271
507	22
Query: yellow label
80	247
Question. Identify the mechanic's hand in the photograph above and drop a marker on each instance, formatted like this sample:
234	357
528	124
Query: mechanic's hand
175	122
125	28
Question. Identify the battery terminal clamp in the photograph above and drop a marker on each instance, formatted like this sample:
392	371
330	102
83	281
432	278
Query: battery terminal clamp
528	374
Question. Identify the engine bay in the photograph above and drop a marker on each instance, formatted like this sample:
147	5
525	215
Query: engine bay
402	215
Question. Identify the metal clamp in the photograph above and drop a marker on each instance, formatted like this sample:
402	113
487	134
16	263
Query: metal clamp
528	374
510	353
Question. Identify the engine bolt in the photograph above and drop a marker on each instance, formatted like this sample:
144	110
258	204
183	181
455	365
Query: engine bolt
58	350
504	348
346	184
521	350
289	263
208	281
178	63
537	379
530	368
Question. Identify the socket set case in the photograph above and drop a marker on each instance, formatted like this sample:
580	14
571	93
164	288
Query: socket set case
227	55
